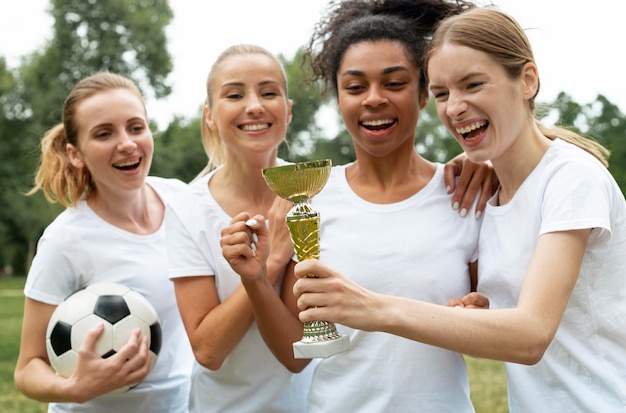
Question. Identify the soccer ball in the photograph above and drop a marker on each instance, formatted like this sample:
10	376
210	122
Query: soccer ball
119	308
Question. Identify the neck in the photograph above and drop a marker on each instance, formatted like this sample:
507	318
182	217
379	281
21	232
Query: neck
138	211
390	179
518	163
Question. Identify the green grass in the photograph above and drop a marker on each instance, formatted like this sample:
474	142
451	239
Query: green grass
11	310
487	379
487	385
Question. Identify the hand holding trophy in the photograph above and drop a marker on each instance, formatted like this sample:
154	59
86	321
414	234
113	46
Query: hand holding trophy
298	183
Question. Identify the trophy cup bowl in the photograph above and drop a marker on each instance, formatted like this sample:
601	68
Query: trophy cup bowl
298	183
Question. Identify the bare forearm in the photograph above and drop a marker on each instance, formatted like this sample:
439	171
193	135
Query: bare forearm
279	327
222	329
36	381
504	334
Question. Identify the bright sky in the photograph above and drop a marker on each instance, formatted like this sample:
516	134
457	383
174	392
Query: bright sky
578	46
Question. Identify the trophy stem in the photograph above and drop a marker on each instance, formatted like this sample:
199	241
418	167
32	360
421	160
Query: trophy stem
320	338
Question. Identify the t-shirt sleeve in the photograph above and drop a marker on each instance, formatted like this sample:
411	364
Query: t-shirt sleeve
184	255
52	276
577	195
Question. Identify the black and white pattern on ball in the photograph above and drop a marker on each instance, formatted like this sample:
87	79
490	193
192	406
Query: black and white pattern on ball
119	308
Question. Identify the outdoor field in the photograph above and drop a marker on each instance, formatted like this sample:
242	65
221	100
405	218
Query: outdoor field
487	379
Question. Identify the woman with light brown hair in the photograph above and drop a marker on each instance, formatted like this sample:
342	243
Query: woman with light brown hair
96	163
551	248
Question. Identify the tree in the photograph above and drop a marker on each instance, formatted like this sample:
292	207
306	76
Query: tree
303	128
608	125
178	151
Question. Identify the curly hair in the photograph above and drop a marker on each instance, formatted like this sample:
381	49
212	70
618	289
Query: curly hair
344	23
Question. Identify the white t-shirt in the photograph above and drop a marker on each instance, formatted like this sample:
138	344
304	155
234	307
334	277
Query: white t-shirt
251	379
79	248
418	248
584	368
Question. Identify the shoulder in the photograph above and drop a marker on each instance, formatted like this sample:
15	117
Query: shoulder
166	184
191	196
567	164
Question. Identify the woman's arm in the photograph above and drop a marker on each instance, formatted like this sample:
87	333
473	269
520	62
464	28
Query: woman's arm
93	375
276	315
519	334
213	328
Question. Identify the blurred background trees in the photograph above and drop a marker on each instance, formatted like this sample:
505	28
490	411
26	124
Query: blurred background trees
128	37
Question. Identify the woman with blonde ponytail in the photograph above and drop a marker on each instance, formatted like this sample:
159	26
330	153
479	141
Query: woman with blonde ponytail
96	163
244	120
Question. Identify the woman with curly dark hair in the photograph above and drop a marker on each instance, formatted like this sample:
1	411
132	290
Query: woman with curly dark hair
386	218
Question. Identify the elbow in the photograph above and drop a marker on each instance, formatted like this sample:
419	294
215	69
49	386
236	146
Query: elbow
295	369
210	363
530	357
534	349
295	365
208	359
17	380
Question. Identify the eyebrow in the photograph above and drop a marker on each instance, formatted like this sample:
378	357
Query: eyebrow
241	84
465	78
386	71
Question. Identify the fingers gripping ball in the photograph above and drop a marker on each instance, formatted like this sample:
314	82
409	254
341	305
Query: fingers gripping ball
119	308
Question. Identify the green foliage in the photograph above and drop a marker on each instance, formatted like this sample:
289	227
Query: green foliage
121	36
433	141
178	151
609	128
306	102
339	149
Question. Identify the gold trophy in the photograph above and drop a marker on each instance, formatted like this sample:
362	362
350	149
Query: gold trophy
298	183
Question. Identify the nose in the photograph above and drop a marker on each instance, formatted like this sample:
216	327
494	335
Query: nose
375	97
455	105
126	143
253	104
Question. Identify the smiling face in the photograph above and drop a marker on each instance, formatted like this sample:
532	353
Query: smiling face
249	109
379	97
114	141
486	110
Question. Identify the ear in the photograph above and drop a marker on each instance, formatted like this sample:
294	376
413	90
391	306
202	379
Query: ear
423	98
289	113
76	158
208	118
530	79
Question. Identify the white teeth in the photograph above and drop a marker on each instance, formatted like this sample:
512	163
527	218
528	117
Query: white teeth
252	128
127	163
469	128
377	122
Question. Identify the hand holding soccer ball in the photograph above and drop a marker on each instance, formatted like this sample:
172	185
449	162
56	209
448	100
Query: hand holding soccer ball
101	321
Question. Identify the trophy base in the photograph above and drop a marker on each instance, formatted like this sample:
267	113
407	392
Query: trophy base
321	349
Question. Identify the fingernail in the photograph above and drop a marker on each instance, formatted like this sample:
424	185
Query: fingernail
448	188
455	206
478	214
463	212
251	222
255	238
457	306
